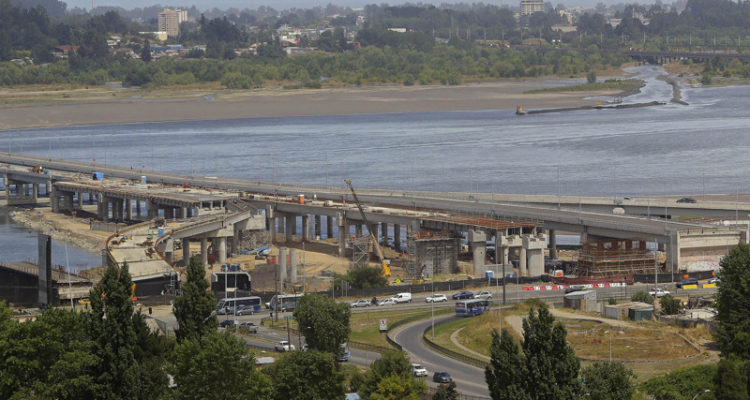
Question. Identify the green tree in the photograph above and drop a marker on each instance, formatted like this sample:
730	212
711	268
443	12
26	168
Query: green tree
670	305
217	366
608	381
306	375
729	384
733	303
146	51
323	322
194	308
506	374
390	363
114	336
446	392
591	77
395	387
547	369
366	277
643	297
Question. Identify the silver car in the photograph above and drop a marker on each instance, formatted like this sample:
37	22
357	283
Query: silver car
360	303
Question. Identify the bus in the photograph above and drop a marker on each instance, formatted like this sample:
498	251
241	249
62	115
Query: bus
467	308
231	305
284	302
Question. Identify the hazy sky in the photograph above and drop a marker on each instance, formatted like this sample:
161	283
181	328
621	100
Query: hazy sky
284	4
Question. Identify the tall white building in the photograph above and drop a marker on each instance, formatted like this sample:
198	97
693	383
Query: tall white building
529	7
170	20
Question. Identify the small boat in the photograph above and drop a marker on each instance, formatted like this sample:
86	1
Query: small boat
520	111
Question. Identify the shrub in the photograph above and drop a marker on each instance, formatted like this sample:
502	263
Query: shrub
670	305
644	297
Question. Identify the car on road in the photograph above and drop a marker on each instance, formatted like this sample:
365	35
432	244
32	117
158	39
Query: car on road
249	326
574	288
227	323
484	294
659	292
687	281
352	396
283	346
387	302
435	298
360	303
464	294
418	370
402	298
245	310
687	200
714	281
442	377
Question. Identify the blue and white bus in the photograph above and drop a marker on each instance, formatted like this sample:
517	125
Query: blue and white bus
241	305
467	308
284	302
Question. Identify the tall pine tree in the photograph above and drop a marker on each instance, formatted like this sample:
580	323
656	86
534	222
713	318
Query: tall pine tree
194	308
146	51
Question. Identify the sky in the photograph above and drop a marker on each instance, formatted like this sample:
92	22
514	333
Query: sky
285	4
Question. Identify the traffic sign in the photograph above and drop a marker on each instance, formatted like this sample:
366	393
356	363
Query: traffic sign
383	325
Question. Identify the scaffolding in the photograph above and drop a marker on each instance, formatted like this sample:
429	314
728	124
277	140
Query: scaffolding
432	253
616	257
361	247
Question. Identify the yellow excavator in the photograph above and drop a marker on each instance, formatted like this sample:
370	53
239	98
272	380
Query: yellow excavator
386	269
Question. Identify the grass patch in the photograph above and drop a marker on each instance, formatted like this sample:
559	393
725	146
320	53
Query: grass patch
612	84
629	344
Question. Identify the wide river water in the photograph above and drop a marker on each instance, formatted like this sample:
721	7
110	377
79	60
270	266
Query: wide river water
670	149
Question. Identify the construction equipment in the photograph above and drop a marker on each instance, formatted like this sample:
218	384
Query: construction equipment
386	269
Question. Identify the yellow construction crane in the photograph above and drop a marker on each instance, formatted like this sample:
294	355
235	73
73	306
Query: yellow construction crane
386	269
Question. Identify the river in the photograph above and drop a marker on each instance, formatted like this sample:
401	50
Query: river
661	150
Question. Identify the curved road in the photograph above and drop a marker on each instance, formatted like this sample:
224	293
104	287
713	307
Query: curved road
469	379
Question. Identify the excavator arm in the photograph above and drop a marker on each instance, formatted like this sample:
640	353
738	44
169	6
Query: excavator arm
378	250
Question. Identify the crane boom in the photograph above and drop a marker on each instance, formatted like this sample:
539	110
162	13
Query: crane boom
386	269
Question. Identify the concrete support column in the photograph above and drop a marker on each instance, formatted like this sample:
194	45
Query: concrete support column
185	252
204	251
522	271
292	266
222	245
329	227
80	200
397	237
35	191
305	228
69	201
358	230
7	187
478	241
129	209
673	253
282	265
138	208
384	233
317	227
343	234
291	227
271	223
54	198
152	209
552	243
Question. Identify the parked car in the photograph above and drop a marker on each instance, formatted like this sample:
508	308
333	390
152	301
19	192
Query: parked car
435	298
418	370
686	281
245	310
442	377
227	323
464	294
283	346
402	298
687	200
360	303
249	326
484	294
352	396
714	281
659	292
387	302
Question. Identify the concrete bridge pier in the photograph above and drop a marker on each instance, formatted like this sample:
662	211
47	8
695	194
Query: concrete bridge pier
305	228
522	271
397	237
221	245
128	209
343	234
185	251
384	233
329	227
292	266
552	243
478	243
204	251
318	229
282	265
291	227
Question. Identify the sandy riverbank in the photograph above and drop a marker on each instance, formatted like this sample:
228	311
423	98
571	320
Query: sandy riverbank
60	227
113	105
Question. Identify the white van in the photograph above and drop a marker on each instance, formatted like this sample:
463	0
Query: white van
402	298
